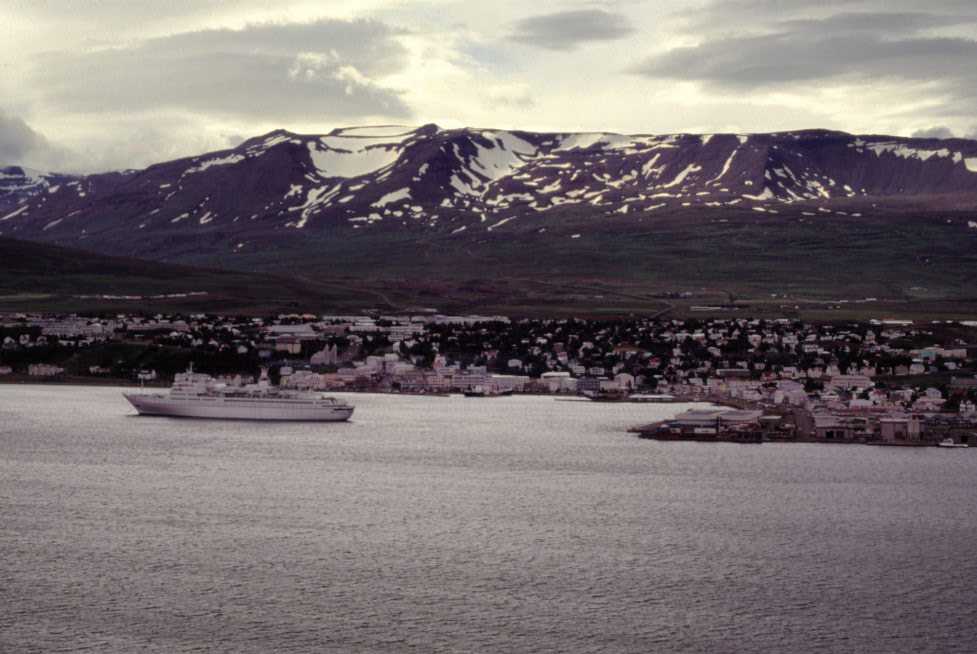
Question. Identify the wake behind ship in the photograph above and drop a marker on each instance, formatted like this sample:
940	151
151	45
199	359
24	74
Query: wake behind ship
196	395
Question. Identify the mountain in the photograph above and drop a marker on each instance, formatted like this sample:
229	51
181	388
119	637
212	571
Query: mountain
39	276
19	184
793	212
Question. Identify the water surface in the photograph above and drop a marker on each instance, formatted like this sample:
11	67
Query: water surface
520	524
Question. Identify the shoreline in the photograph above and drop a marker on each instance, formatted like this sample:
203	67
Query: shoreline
641	431
67	380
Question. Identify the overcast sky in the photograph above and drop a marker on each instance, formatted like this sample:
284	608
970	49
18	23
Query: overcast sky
100	84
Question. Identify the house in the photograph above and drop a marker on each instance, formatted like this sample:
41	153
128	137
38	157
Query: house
899	429
327	356
588	385
44	370
508	383
832	426
733	373
713	423
559	382
290	344
301	330
849	382
624	381
963	384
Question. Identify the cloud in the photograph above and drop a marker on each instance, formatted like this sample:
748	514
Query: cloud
943	132
567	30
325	68
510	95
20	144
17	139
885	23
747	15
792	57
940	132
925	59
127	83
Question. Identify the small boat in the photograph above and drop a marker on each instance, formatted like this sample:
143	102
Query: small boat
652	399
609	397
949	442
481	391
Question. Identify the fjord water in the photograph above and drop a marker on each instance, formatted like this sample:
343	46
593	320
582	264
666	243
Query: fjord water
520	524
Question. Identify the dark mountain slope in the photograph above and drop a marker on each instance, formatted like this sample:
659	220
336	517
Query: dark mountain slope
38	276
798	213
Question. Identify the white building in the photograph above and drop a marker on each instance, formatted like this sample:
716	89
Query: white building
44	370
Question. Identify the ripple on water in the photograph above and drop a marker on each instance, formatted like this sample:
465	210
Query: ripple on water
450	524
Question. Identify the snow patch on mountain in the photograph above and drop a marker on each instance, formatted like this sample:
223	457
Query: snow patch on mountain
15	213
29	175
315	199
688	170
766	195
505	154
217	161
354	156
906	152
461	186
376	131
586	140
725	169
401	194
649	166
293	190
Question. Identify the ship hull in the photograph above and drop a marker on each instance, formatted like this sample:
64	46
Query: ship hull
220	408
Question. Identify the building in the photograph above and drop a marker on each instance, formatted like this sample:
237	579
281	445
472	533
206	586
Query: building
849	382
558	382
44	370
588	385
836	427
900	430
290	344
711	424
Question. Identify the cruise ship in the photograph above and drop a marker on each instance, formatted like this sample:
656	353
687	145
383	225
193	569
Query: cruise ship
196	395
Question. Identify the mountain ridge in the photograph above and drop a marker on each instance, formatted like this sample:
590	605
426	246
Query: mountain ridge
811	210
367	175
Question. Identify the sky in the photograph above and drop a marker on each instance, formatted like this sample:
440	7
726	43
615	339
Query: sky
107	84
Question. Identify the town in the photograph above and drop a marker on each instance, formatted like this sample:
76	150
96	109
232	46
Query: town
878	381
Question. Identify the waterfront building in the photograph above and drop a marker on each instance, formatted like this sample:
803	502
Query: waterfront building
44	370
899	430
